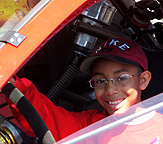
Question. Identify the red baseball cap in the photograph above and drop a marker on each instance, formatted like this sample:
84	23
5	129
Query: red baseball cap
119	49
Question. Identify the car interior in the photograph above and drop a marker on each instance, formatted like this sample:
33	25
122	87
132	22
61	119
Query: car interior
55	68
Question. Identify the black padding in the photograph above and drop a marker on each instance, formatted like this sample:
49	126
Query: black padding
28	111
7	89
31	115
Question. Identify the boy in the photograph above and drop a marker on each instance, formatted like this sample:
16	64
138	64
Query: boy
119	70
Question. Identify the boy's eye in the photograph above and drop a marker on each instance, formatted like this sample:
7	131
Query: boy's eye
99	81
122	77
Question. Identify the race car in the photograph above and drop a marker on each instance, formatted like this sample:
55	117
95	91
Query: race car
46	41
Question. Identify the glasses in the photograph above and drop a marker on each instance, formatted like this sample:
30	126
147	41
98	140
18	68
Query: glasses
119	80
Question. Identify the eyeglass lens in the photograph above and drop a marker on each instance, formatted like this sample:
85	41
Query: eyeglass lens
102	82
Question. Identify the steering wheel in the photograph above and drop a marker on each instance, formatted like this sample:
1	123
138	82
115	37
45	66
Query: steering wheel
26	108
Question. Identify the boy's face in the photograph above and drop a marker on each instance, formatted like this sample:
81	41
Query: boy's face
116	99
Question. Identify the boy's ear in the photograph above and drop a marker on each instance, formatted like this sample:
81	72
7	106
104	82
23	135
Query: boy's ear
145	78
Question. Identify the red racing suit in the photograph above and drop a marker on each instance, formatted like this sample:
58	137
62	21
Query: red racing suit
149	132
60	122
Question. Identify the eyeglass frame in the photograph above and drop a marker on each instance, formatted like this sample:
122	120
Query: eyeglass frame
113	81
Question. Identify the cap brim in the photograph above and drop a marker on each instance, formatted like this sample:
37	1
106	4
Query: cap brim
86	64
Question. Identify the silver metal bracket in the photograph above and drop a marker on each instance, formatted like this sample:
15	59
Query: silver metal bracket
13	38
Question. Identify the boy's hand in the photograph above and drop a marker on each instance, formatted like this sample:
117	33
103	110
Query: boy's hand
12	80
